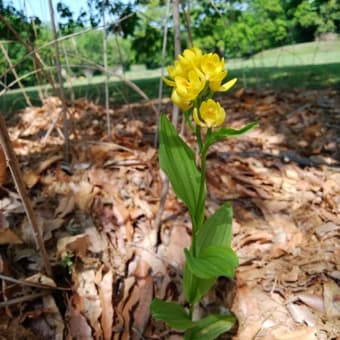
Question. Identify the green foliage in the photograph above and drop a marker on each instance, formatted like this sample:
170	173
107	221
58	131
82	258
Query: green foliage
223	133
215	232
231	28
173	313
210	327
67	262
27	28
210	254
212	262
85	51
320	16
177	317
178	161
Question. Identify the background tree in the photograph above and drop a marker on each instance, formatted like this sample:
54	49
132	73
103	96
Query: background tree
27	29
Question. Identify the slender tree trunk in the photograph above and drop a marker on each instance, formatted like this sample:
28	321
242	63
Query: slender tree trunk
107	108
61	92
160	92
8	59
177	43
187	21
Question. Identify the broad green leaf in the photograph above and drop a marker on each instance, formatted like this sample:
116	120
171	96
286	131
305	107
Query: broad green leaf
178	162
210	327
194	287
171	313
212	262
223	133
217	230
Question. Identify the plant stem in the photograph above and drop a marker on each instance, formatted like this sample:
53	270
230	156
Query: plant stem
199	138
201	199
201	195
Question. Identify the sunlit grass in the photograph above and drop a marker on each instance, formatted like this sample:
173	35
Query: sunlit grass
309	65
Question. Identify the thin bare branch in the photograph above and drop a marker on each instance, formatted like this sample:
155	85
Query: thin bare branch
30	284
160	92
61	91
106	83
22	299
8	59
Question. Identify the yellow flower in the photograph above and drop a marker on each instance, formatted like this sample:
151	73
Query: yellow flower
180	101
191	57
191	72
213	67
186	62
189	87
210	114
217	87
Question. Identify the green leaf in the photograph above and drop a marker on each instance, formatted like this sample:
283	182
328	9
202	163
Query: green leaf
172	313
213	262
194	287
210	327
217	230
178	162
223	133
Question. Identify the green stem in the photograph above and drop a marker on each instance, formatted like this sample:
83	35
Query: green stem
201	198
187	119
199	138
201	195
191	310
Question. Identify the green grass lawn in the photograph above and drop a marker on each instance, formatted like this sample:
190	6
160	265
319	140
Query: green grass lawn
309	65
311	53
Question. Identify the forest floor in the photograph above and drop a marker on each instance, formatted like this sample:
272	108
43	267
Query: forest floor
109	260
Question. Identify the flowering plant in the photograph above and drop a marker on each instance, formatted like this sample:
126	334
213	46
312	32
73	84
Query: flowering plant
195	77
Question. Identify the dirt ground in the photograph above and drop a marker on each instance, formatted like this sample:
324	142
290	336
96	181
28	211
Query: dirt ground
110	258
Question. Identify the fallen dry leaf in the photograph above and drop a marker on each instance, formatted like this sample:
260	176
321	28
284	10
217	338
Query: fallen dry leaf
77	325
301	314
105	295
7	236
76	245
90	301
281	179
331	296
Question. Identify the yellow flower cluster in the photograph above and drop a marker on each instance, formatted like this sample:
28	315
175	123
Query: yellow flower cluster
193	74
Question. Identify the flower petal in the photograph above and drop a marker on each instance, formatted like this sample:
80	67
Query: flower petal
168	81
228	85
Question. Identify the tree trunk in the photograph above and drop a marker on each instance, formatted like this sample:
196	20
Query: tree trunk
187	21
